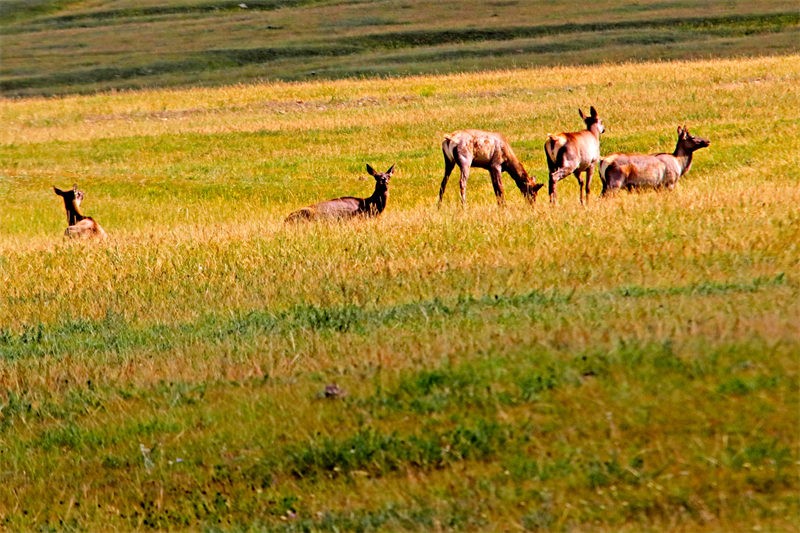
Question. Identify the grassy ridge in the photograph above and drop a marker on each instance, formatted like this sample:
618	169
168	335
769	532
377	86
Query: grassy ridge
628	366
62	47
672	31
19	10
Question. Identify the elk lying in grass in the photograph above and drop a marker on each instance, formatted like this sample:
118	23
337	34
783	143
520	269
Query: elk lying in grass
78	225
573	153
650	171
488	150
349	206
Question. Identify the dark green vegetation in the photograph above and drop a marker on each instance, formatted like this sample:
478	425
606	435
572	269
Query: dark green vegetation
634	432
114	334
59	46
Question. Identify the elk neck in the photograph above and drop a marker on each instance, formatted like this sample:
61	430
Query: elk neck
378	199
74	214
684	157
517	172
594	129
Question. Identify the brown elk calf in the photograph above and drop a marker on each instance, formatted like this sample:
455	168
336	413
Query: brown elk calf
488	150
349	206
78	225
650	171
573	153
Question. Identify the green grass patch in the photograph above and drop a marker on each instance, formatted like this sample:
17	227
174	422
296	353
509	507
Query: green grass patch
628	365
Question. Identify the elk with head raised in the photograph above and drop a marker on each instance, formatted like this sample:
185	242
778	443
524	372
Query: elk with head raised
349	206
488	150
574	153
78	225
650	171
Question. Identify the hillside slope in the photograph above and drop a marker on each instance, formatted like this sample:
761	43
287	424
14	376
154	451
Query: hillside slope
60	46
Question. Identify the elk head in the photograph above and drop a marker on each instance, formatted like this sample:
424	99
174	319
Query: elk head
72	201
74	195
531	190
592	119
688	142
381	178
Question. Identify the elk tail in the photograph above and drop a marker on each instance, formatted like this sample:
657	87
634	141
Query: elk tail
447	148
606	162
602	168
554	143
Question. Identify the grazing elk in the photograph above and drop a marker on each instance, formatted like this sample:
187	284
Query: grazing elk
573	153
349	206
488	150
78	225
651	171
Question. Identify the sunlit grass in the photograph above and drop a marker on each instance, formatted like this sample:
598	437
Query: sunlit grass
627	366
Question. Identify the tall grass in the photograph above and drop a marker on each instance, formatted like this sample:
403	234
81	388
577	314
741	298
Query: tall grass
628	366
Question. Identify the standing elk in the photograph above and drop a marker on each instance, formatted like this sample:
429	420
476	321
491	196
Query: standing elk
650	171
488	150
349	206
573	153
78	225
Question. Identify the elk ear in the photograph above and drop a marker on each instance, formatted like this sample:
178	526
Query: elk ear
371	170
537	186
74	187
580	112
680	131
58	191
593	111
391	170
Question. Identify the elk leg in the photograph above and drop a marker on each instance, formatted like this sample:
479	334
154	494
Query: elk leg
449	164
551	188
606	190
577	174
589	174
556	176
612	181
612	185
497	184
464	164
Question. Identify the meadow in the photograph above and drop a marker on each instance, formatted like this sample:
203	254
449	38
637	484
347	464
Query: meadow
627	366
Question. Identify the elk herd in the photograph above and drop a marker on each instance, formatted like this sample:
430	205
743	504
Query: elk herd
567	153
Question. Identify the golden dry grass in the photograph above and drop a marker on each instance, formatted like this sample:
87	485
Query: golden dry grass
627	366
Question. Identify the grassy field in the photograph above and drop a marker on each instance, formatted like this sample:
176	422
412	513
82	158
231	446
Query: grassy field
628	366
63	46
